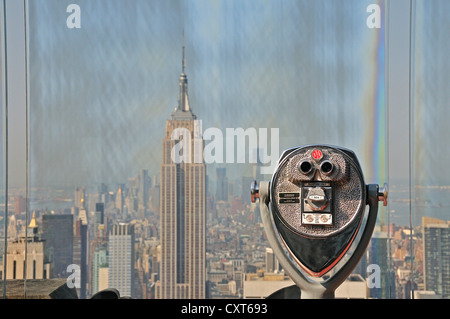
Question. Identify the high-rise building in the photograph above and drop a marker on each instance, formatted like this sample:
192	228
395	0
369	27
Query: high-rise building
57	231
80	240
182	204
102	193
378	255
143	188
99	216
436	256
99	262
120	199
98	252
19	205
121	258
35	266
80	198
272	263
221	184
153	199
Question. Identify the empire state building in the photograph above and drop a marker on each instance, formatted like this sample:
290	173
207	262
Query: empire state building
182	207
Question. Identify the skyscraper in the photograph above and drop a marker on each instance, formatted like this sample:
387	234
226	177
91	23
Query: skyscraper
57	231
80	198
378	255
35	265
436	251
143	186
182	205
98	252
221	184
99	262
121	258
99	213
80	239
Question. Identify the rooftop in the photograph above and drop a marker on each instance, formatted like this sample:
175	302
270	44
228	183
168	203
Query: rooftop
39	289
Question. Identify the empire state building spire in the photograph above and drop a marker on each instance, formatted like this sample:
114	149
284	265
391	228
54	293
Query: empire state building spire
183	110
183	99
183	62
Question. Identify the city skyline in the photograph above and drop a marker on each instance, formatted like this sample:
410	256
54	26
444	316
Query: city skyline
223	252
397	90
103	98
102	154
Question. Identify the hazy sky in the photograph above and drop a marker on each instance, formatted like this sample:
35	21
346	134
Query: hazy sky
100	95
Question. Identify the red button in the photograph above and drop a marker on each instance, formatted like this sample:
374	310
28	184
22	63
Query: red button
317	154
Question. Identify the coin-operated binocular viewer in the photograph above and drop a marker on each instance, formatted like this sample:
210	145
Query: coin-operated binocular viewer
314	212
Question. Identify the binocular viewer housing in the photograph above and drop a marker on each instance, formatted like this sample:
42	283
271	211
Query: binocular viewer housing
316	203
316	187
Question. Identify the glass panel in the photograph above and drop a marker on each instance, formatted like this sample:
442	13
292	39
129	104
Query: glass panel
14	118
430	215
398	65
106	94
3	192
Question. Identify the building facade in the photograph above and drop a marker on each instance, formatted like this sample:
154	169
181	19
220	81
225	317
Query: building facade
35	266
121	258
221	184
182	204
57	231
99	261
436	250
80	251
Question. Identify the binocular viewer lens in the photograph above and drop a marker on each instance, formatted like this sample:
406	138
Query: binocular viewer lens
326	167
306	167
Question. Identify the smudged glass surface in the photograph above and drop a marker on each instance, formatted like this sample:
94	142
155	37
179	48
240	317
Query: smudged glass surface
101	94
430	96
